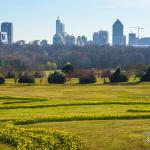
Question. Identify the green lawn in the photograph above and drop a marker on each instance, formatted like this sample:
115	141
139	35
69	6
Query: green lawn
82	100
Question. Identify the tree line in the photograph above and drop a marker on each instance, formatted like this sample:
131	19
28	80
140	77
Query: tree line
33	57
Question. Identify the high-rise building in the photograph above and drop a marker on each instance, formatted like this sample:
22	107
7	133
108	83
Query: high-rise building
70	40
100	38
103	38
60	27
8	28
118	35
96	38
132	39
3	38
58	40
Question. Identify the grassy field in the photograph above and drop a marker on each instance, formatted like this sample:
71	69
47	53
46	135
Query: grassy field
102	115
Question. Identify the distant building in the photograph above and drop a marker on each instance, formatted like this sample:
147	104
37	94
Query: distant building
8	28
58	39
100	38
60	27
3	38
44	43
96	38
132	39
118	35
145	41
103	37
138	42
70	40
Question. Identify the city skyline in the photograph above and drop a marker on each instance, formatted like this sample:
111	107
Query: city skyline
36	19
61	37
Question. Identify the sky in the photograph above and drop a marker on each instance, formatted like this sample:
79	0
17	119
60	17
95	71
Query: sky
35	19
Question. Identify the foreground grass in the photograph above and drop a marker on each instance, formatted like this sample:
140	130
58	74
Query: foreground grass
106	135
66	107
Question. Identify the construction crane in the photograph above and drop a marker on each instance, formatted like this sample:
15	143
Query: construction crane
138	28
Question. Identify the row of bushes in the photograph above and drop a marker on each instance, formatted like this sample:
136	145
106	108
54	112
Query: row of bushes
56	77
61	78
116	77
22	139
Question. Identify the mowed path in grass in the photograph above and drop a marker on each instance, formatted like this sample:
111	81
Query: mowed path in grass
80	100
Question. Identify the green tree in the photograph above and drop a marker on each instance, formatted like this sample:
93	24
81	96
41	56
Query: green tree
68	68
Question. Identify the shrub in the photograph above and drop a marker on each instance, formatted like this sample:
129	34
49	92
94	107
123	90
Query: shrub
26	79
23	139
88	79
145	77
2	80
57	77
118	77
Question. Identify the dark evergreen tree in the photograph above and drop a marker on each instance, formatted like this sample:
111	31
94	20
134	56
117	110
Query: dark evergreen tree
118	77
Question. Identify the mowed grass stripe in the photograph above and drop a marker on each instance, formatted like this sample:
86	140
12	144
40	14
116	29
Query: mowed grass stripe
75	104
22	98
138	111
75	118
23	101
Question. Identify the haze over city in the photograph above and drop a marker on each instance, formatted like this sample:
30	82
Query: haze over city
36	19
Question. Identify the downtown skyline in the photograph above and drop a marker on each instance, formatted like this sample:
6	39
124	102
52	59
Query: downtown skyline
36	20
61	37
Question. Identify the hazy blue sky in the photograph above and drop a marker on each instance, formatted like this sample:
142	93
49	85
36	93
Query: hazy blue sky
35	19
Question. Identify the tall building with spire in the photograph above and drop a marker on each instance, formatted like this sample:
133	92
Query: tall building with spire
118	34
60	27
62	38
